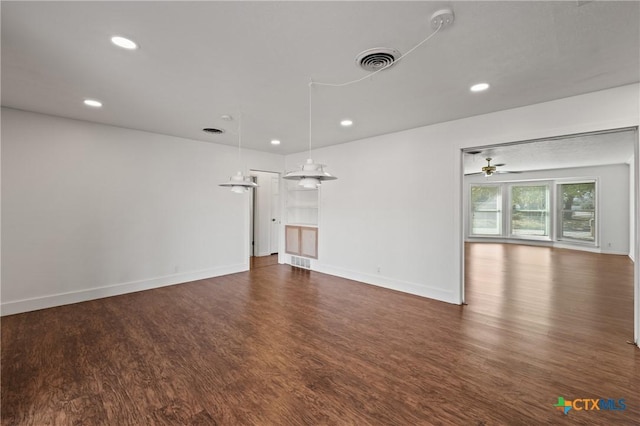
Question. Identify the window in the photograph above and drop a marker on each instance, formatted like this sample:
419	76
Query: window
530	210
486	214
536	210
577	218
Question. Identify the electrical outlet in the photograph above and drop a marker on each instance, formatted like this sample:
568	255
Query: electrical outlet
378	269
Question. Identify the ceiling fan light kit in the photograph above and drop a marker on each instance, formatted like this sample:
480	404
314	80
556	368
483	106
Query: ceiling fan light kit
488	169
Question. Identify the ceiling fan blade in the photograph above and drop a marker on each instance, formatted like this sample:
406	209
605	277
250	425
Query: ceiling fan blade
476	173
499	165
506	171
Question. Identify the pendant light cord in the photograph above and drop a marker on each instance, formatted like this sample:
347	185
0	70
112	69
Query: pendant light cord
348	83
240	166
310	84
240	140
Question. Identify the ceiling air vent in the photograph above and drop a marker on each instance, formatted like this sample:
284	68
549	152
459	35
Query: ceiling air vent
213	130
377	58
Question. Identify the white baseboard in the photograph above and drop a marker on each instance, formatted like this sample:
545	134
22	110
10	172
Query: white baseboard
539	243
390	283
49	301
616	252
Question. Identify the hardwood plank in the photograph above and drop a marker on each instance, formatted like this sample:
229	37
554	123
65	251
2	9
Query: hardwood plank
262	261
278	345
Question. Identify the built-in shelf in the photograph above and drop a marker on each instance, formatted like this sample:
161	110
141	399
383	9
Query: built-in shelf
301	226
301	190
301	205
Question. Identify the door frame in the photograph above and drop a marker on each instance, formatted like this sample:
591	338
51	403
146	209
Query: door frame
460	237
251	211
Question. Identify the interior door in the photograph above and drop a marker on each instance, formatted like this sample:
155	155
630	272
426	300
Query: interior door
275	214
252	219
266	213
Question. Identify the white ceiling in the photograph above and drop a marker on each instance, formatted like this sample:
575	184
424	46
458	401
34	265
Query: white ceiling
571	151
200	60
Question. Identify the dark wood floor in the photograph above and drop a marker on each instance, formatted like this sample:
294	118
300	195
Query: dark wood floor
280	346
262	261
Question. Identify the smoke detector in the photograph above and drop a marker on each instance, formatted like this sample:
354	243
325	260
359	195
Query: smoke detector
377	58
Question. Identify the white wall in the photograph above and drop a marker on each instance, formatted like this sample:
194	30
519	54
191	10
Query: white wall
90	210
386	211
397	202
612	198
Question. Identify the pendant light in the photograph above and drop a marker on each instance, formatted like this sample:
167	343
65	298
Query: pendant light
310	175
239	183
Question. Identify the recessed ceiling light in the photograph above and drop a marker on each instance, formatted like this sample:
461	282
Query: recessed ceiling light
275	142
346	123
125	43
479	87
93	103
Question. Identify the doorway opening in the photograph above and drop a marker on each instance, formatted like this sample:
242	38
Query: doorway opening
493	210
264	229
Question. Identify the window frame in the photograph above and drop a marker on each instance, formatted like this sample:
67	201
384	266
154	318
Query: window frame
549	210
500	211
554	215
559	210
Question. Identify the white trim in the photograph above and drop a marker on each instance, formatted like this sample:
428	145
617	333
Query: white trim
459	206
49	301
541	243
636	275
247	250
390	283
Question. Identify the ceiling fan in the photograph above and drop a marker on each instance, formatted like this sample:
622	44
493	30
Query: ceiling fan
490	169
